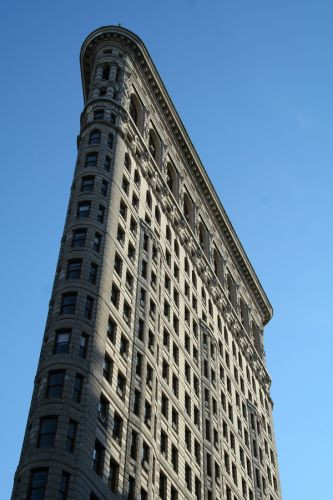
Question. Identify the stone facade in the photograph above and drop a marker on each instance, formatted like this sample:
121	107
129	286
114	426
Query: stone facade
151	381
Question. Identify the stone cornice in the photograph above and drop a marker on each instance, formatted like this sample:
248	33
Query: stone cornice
133	44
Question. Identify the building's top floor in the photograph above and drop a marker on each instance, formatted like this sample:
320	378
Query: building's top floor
175	140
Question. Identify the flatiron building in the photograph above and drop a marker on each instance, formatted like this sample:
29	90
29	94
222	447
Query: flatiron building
152	381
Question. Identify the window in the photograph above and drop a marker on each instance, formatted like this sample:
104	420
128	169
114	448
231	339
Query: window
152	145
113	475
97	242
137	179
127	162
121	235
55	384
37	485
121	385
133	110
103	410
136	402
83	345
98	114
107	368
71	435
98	458
188	438
115	294
117	427
164	444
134	444
47	432
174	419
79	238
63	486
147	414
127	311
83	209
101	213
164	405
174	458
163	486
74	269
62	341
131	488
68	303
87	184
123	349
93	273
104	188
95	137
129	281
91	160
138	364
110	141
88	308
77	391
107	163
148	200
188	477
112	330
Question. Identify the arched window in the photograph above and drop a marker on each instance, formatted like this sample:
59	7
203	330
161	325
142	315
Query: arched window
95	137
203	237
127	162
152	145
217	261
172	179
188	209
133	110
148	199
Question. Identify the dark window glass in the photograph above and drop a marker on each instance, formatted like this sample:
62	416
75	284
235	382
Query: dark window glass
38	484
107	163
71	434
74	269
47	432
55	384
77	392
98	114
88	308
87	184
110	141
83	345
100	213
95	137
97	242
113	476
104	188
62	341
83	209
63	486
93	273
91	160
79	238
98	458
68	303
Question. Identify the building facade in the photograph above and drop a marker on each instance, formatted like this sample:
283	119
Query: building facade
151	381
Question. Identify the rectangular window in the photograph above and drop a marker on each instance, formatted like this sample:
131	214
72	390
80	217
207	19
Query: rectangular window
68	303
107	163
47	432
63	486
77	391
97	242
74	269
37	485
107	368
88	308
98	458
93	273
104	188
87	184
83	209
117	427
112	330
113	475
163	486
62	341
101	213
91	160
55	384
103	410
79	238
71	435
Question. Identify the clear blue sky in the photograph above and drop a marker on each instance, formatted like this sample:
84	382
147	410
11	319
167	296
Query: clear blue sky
252	81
